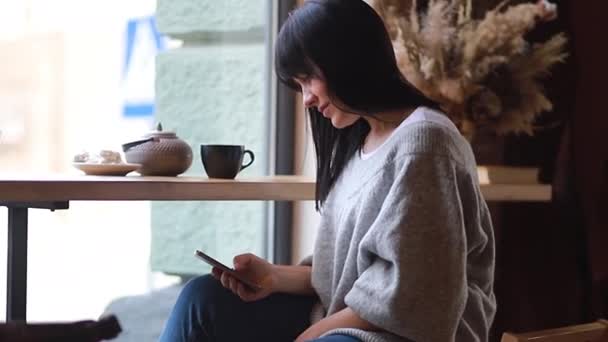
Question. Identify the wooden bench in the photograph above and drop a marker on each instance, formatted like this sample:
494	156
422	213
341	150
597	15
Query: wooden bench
591	332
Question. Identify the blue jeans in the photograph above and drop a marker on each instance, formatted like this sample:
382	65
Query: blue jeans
205	311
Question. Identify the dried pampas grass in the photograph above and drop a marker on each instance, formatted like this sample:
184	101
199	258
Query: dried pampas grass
482	71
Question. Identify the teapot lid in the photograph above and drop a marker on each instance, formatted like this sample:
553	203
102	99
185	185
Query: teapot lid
160	133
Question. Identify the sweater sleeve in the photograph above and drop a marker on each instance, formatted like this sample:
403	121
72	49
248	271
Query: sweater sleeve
412	260
307	261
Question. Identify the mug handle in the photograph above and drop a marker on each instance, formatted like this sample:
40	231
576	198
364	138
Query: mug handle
243	167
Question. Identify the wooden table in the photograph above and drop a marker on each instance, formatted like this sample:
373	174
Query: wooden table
19	193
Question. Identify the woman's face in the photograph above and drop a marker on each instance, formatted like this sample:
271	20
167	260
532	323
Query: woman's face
315	94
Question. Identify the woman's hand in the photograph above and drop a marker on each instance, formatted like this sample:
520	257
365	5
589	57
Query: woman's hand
255	269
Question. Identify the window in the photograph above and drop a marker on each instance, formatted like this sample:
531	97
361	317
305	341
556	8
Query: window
82	81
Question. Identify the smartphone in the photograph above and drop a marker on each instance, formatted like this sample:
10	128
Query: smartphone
209	260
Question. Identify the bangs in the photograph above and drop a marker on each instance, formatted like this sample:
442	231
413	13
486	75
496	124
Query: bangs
291	59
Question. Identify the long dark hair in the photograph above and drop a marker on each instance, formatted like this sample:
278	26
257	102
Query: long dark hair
346	43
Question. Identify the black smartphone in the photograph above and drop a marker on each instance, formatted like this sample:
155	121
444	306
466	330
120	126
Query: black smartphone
209	260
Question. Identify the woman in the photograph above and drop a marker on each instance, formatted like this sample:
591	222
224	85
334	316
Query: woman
405	249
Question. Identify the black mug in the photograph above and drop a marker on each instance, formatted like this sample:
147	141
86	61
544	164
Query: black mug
224	161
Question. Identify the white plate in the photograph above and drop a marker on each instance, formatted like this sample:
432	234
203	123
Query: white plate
106	169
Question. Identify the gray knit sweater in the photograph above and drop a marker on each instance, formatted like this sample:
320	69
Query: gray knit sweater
406	241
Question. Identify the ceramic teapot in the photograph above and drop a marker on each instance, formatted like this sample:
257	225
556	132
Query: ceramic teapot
160	154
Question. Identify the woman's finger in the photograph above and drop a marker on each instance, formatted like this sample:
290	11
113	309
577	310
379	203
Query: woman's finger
242	261
216	273
243	293
233	285
225	279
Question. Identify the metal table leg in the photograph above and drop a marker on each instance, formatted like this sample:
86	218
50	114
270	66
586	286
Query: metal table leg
16	285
